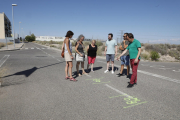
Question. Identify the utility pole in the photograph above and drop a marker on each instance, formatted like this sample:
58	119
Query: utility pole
122	33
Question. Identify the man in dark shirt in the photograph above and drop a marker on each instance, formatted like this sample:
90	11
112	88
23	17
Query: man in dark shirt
124	58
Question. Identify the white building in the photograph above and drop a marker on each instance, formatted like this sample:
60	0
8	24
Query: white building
49	38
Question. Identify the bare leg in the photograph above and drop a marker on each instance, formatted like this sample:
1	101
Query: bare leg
82	66
92	67
70	68
77	68
66	69
112	63
122	68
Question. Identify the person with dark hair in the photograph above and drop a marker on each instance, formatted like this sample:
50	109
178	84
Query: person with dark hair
68	55
134	48
110	52
125	57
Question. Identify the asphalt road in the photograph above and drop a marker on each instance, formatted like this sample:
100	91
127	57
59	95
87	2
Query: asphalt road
34	88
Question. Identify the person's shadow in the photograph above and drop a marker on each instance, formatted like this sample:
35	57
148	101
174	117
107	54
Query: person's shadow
87	71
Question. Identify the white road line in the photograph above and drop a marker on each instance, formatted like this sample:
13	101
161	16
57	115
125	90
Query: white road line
32	48
4	59
152	74
118	91
48	54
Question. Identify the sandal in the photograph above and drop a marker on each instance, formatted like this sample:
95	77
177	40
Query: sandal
72	79
67	78
85	73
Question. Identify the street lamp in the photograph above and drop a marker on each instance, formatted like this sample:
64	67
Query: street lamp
13	22
19	31
22	35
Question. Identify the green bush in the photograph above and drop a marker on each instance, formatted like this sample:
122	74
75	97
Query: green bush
86	43
30	38
142	44
154	55
52	46
103	48
173	46
174	53
99	43
160	48
178	48
168	46
145	56
99	52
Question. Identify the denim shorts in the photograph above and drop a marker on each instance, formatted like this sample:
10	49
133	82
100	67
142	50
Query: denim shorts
125	60
110	57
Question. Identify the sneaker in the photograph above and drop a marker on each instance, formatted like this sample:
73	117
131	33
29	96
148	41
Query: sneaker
119	75
92	70
106	71
112	72
130	85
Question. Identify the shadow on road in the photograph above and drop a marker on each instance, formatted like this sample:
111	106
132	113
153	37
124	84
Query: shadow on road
80	71
26	73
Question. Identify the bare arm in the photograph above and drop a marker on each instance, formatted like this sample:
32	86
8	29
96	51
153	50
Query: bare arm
87	49
124	52
116	50
121	48
125	46
105	50
76	49
139	52
67	46
62	46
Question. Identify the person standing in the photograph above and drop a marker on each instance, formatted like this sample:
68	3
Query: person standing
91	50
110	52
68	55
134	48
80	55
125	57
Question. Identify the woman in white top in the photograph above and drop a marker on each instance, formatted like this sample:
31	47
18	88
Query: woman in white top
68	55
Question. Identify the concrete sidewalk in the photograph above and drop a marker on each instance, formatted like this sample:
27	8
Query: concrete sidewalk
18	46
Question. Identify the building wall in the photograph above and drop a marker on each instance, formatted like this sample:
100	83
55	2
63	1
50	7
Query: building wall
2	29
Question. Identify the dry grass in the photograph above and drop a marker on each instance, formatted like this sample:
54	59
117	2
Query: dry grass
2	45
9	43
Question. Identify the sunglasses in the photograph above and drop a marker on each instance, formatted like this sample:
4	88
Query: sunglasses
124	36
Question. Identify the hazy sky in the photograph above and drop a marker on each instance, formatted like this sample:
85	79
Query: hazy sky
149	20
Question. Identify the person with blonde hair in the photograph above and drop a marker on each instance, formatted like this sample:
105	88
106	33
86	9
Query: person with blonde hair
80	55
91	51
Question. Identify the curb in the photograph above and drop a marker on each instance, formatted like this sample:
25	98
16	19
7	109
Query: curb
13	49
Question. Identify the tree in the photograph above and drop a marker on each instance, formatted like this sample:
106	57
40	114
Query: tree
30	38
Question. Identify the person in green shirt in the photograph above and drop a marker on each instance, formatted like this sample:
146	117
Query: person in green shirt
134	49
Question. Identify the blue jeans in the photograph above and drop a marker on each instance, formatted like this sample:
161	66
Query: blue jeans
125	60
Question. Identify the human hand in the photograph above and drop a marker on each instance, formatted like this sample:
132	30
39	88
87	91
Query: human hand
104	53
72	57
136	60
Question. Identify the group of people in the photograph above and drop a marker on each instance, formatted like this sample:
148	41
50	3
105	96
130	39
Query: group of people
130	52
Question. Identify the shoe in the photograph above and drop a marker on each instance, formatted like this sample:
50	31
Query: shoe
119	75
128	76
106	71
130	85
112	72
134	83
66	78
72	79
92	71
